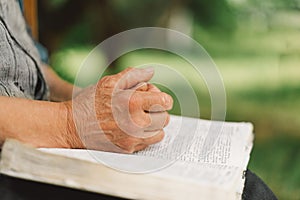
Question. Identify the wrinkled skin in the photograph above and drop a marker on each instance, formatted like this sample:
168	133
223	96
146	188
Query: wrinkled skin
122	113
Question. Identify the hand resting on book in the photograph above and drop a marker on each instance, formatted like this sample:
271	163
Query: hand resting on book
131	113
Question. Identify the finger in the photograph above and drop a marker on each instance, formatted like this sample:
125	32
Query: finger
129	144
111	80
143	86
153	101
124	71
158	120
157	137
140	147
133	77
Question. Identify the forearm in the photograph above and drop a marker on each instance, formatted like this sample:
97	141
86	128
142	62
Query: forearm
60	90
39	123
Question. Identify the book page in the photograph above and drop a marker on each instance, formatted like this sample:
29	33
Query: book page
186	151
202	145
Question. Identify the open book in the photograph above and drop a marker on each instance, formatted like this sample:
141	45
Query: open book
197	159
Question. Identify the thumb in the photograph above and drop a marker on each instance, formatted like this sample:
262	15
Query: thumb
134	76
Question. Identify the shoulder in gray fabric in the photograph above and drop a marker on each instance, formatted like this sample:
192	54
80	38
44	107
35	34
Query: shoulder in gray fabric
20	75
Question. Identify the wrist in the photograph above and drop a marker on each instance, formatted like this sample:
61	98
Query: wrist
70	133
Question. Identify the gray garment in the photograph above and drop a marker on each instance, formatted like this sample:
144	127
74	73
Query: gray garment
20	73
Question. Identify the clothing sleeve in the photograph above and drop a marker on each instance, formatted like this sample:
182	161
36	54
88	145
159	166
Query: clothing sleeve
12	90
256	189
3	90
20	63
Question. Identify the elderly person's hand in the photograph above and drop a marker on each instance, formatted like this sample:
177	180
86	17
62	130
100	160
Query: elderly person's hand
122	113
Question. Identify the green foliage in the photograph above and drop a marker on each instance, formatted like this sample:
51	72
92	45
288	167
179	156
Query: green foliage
55	4
276	4
136	13
215	14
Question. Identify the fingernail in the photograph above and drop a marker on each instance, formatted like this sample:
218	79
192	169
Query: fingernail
139	86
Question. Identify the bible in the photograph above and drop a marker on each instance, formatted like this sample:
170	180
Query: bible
197	159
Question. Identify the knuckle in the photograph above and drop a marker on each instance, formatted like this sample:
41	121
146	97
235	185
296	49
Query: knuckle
104	79
168	100
107	81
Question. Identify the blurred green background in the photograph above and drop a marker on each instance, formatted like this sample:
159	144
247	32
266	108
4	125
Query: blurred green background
255	44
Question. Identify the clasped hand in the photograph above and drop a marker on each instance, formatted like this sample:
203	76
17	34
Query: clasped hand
121	113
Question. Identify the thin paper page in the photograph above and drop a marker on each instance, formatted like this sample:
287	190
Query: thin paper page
211	175
225	148
185	141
